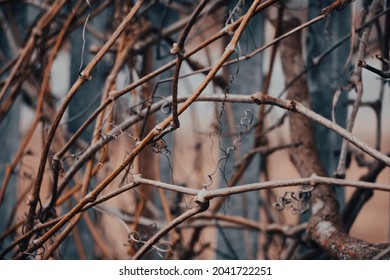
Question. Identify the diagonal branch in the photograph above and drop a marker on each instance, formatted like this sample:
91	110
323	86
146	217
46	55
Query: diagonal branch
84	76
90	197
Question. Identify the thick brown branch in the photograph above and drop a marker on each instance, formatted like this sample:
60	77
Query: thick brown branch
325	225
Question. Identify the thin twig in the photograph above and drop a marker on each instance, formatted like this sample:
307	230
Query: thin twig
313	180
172	224
381	73
27	50
151	135
300	108
356	81
84	76
178	50
116	94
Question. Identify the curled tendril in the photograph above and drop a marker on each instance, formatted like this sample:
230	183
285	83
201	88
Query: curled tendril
247	120
236	12
243	126
210	181
165	107
36	253
160	146
120	131
219	127
298	201
137	108
162	247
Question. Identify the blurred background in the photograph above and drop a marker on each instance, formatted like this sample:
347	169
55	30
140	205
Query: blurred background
213	140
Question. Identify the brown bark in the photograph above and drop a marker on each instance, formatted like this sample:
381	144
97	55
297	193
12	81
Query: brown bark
325	226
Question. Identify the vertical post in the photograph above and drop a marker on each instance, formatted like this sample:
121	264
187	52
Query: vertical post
326	78
9	126
85	102
239	243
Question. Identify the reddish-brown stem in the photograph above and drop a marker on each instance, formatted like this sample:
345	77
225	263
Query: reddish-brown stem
84	76
116	94
178	50
27	50
151	135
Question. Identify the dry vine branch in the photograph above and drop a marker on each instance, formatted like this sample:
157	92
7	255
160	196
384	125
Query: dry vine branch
84	76
356	83
114	95
178	50
115	171
325	226
27	50
295	106
148	138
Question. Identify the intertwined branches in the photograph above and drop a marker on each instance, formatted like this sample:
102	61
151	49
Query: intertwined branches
76	184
